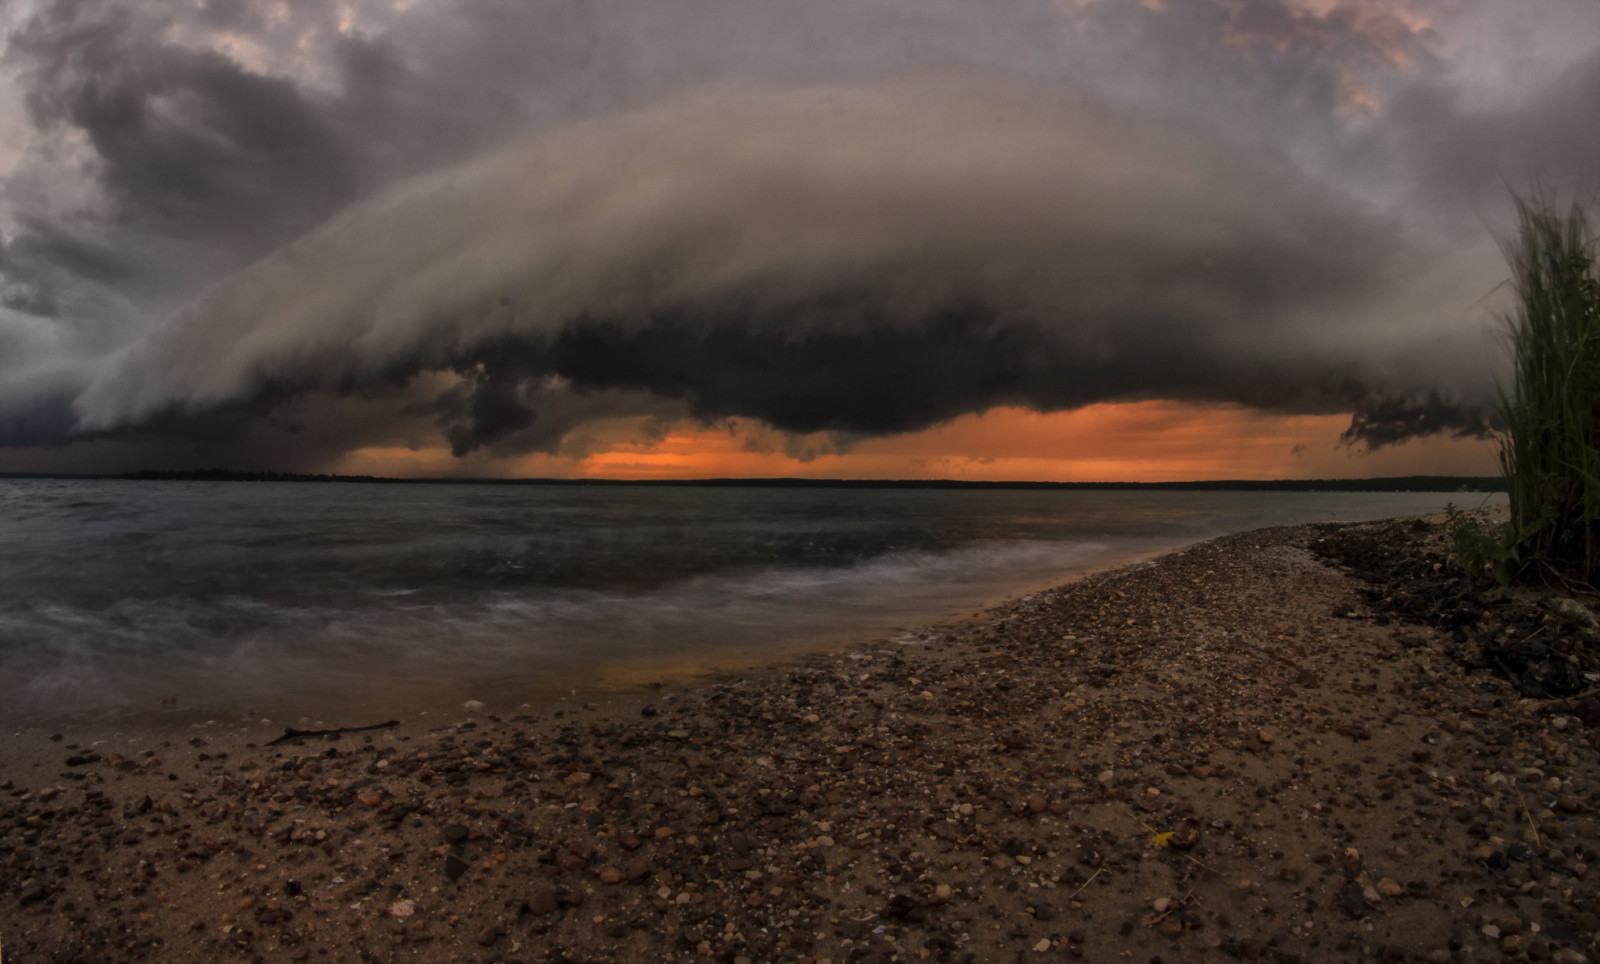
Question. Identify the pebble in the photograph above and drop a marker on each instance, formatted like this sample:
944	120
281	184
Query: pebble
541	900
741	840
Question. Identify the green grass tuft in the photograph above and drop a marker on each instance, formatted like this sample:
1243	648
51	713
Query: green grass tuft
1550	444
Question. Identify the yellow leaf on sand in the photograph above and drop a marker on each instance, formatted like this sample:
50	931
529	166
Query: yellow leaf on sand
1162	839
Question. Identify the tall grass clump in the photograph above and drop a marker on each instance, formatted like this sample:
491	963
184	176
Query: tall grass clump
1550	444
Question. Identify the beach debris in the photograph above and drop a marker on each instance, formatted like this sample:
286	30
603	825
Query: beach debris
1573	612
474	706
1182	839
290	733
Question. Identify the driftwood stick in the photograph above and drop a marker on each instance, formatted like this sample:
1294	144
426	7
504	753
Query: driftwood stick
289	733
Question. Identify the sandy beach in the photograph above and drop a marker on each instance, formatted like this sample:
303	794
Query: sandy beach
1228	753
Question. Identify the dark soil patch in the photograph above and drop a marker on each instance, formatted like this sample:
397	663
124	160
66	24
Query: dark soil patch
1410	575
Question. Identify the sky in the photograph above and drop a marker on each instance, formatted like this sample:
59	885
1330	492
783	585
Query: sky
1016	239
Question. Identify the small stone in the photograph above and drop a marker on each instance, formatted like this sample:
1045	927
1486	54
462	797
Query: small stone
489	935
542	900
1352	900
1573	612
403	908
454	867
1161	905
943	892
474	706
1043	945
1387	887
454	833
578	779
612	875
1266	736
1567	955
1490	931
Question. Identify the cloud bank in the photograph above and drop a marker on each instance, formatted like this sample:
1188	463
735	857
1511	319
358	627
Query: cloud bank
494	223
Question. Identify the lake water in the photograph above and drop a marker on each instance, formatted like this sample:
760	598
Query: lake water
122	598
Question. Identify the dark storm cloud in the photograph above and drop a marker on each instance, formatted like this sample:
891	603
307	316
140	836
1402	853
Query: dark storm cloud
496	221
862	259
1390	420
1458	151
184	140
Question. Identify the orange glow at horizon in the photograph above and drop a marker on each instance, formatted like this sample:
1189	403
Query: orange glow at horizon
1150	441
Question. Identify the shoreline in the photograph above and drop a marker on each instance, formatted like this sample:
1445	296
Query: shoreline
529	689
1337	790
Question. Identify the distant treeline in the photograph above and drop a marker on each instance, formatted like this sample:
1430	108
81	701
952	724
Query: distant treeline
1409	483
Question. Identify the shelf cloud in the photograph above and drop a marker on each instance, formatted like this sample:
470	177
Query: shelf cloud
491	224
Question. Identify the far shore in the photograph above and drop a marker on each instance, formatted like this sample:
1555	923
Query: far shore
1221	754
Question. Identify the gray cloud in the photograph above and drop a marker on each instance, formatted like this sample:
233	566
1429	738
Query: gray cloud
494	222
858	259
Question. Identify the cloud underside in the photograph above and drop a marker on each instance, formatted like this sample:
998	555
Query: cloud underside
865	259
281	232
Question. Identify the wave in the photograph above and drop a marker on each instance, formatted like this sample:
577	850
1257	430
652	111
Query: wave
252	597
78	661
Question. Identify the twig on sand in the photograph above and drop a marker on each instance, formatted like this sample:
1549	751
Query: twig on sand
1198	863
1537	840
289	733
1180	902
1085	884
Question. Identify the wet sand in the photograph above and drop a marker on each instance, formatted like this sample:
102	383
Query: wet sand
1218	755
